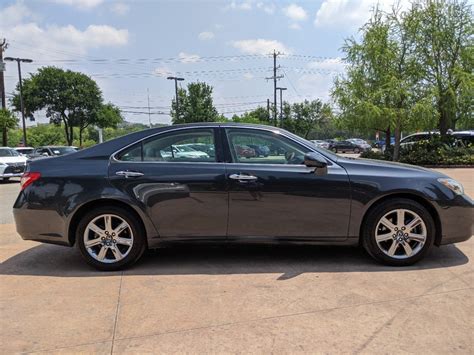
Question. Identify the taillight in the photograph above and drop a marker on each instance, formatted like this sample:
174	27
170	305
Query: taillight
28	178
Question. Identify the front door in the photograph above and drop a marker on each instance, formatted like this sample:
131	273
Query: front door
179	179
278	196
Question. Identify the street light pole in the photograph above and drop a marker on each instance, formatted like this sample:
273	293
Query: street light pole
22	108
176	79
281	105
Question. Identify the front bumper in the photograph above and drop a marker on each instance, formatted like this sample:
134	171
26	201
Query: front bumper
12	171
457	222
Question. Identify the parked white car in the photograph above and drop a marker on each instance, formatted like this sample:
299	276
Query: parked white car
12	163
184	151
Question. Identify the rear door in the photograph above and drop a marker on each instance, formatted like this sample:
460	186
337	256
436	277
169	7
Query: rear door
184	194
279	197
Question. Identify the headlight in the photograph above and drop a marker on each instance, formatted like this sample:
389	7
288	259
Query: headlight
453	185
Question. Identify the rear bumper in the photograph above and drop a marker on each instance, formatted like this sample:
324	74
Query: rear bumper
457	222
41	225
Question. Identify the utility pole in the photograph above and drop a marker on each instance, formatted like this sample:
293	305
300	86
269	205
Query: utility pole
22	107
281	105
176	79
268	109
3	46
275	78
149	114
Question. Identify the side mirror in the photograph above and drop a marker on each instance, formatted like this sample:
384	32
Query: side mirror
315	160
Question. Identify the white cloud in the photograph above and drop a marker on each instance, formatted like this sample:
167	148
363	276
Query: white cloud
14	14
295	12
248	76
240	5
332	64
260	46
188	58
27	37
269	8
80	4
162	71
206	35
294	26
120	8
351	13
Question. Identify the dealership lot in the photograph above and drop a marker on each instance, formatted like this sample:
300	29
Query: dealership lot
256	299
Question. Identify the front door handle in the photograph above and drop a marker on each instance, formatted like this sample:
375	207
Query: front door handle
129	174
243	178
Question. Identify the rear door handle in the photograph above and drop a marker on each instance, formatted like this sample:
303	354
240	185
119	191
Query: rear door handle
243	178
129	174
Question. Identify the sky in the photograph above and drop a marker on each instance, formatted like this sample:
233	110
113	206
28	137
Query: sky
130	47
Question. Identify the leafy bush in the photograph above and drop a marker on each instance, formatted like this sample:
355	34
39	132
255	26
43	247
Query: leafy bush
372	154
436	151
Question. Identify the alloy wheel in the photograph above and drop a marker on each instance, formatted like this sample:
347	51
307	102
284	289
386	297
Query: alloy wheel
108	238
401	233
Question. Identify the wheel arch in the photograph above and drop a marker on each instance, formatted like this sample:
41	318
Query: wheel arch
408	196
88	206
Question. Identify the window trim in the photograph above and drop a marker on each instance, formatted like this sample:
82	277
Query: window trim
229	158
214	128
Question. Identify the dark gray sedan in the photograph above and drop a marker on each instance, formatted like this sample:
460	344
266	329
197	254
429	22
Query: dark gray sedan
121	197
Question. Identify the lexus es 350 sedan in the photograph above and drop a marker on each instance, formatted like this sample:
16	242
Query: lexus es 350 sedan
121	197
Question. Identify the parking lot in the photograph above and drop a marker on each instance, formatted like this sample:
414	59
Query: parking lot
242	299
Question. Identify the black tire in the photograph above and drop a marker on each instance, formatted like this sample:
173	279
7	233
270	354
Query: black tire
139	238
334	150
356	150
370	224
6	179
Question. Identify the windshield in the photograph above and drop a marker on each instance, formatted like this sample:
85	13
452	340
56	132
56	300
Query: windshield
8	153
183	148
63	150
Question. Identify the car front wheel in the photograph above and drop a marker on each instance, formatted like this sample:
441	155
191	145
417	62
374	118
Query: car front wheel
110	238
398	232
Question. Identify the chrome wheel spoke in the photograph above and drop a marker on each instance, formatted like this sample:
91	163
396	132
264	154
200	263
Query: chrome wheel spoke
93	242
408	249
384	237
108	222
387	223
414	223
120	228
118	255
102	253
124	241
416	237
400	218
96	229
393	248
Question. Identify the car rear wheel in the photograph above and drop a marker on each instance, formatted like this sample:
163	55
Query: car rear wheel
398	232
334	150
356	150
110	238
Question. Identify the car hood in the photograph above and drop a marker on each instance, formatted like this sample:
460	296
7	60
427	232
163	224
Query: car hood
19	159
386	167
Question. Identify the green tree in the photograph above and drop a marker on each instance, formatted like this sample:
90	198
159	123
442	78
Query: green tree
69	98
444	46
7	121
380	89
257	116
195	105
